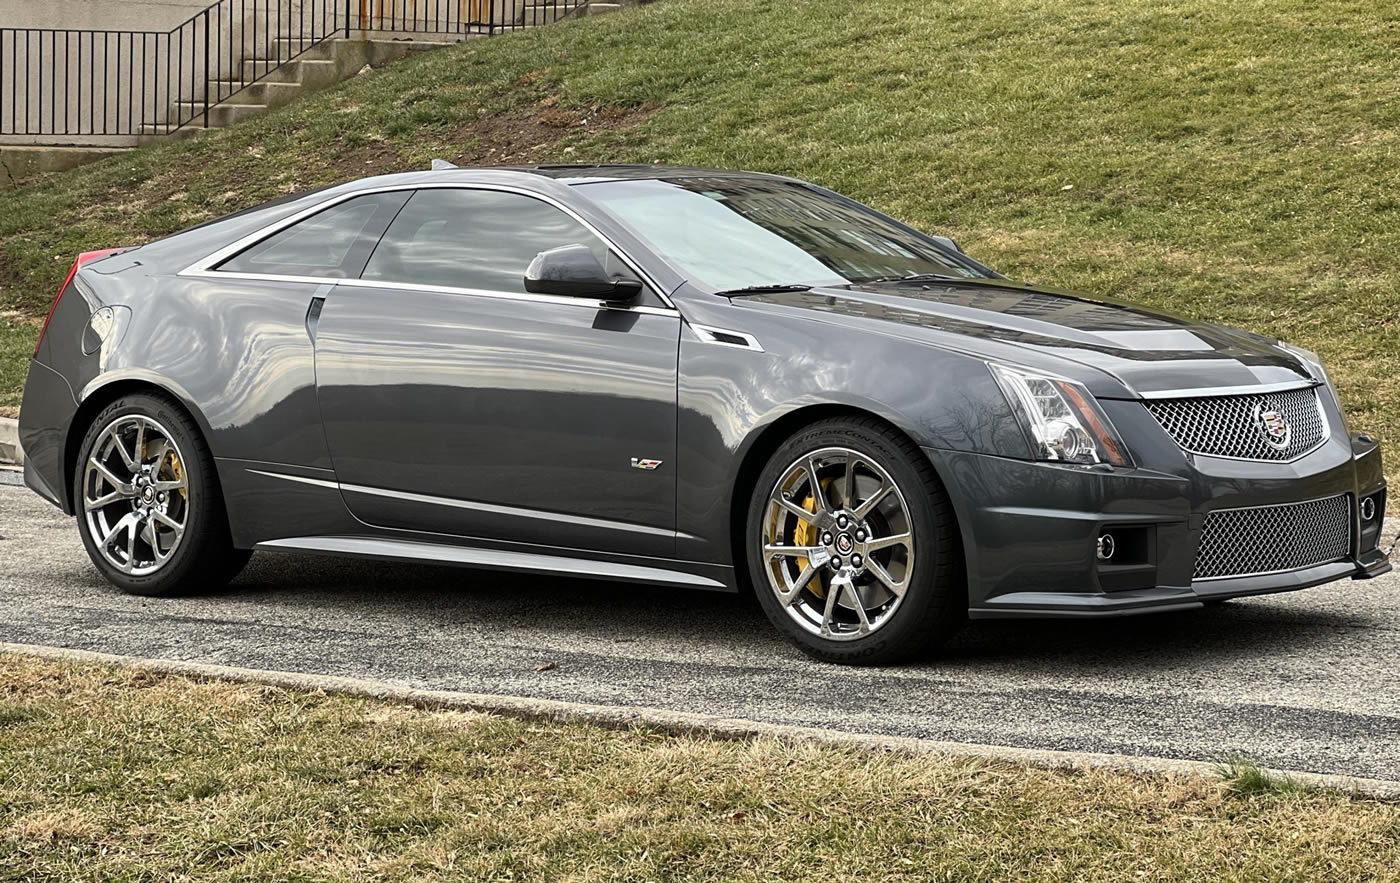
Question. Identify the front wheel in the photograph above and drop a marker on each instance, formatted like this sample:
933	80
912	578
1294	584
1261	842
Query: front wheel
149	508
852	545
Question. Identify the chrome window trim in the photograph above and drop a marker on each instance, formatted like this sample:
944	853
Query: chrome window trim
1224	391
707	334
446	289
204	266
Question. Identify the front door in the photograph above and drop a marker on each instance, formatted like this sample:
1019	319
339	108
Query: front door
456	403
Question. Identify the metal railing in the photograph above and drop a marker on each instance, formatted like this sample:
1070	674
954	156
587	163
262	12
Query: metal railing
69	82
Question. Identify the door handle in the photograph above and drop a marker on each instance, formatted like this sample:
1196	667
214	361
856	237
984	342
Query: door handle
313	316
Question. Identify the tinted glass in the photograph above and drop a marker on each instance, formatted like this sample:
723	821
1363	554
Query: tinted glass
473	239
736	232
334	243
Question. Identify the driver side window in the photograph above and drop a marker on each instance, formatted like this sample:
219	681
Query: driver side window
482	239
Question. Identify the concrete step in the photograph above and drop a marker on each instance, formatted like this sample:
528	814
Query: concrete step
23	161
302	71
283	49
157	134
220	115
269	93
601	8
11	454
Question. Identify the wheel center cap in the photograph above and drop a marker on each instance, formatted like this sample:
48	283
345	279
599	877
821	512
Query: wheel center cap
148	494
844	543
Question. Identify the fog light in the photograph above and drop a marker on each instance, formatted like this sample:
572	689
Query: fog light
1368	509
1105	546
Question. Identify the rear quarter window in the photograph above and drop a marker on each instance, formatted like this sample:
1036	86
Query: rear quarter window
334	243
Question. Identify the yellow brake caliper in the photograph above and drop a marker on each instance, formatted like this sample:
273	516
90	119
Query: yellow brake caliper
806	535
175	468
178	471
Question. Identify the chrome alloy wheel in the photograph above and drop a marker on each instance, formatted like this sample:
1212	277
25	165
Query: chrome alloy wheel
838	543
135	495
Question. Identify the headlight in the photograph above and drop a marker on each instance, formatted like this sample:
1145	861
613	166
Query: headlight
1061	418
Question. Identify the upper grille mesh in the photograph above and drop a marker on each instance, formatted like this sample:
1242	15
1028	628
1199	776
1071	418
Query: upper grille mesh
1266	539
1225	426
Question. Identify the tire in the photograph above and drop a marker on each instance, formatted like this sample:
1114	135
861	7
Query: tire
146	458
854	458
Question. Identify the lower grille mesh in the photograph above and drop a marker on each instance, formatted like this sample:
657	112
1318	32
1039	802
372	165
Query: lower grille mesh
1266	539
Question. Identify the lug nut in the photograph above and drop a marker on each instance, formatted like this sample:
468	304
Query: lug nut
860	536
842	521
857	561
836	562
826	538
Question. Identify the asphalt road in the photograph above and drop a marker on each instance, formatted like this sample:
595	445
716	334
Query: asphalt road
1304	681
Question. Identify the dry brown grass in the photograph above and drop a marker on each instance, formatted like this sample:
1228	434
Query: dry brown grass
115	774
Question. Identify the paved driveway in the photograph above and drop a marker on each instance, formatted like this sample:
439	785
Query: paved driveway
1306	681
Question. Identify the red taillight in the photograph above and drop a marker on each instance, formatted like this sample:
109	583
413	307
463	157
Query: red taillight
81	259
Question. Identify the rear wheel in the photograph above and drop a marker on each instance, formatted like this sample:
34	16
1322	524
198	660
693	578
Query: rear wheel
852	545
149	508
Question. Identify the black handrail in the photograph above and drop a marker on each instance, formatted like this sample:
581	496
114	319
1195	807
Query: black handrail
82	83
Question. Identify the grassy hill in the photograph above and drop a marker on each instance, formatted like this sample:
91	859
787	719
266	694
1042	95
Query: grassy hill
1234	162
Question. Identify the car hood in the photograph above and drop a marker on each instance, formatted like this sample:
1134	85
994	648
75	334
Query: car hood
1145	351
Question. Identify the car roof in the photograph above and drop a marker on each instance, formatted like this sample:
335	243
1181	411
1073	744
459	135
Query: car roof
568	174
575	173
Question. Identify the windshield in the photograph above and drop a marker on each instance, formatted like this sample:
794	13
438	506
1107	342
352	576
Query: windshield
733	233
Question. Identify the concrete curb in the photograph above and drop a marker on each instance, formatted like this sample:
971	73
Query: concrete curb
10	451
686	723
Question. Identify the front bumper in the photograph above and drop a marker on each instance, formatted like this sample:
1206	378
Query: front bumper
1030	529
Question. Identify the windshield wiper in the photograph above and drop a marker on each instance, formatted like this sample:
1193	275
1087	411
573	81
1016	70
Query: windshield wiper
766	289
933	277
915	277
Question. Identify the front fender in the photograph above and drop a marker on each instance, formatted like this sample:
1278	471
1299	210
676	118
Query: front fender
731	396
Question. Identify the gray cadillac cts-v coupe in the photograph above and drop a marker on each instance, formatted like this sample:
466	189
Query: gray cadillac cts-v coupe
680	377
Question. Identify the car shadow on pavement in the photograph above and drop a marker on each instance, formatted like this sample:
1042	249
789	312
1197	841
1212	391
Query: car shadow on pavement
427	596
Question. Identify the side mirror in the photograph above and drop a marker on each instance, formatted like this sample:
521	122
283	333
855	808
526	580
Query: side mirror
574	271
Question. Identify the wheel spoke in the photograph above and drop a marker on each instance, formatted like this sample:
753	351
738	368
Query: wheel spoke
902	539
774	551
865	508
124	488
176	485
106	500
131	531
786	598
138	447
117	528
860	608
838	585
811	518
132	464
155	535
818	499
848	486
883	575
156	455
169	522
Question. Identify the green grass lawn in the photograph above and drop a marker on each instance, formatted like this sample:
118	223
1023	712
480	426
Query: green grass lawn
1233	162
114	774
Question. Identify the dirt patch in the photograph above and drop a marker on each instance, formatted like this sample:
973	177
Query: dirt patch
543	131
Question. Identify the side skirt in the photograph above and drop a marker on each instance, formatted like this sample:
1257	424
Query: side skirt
387	549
